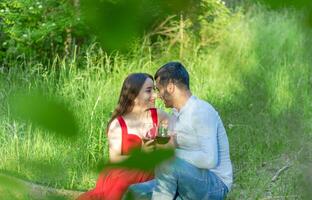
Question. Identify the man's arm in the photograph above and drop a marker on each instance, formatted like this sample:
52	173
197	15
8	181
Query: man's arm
205	125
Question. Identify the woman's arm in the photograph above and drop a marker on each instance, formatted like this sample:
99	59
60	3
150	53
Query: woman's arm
114	140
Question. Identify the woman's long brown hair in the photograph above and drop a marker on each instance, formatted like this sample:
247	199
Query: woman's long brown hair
130	89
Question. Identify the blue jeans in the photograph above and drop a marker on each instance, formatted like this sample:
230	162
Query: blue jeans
178	179
140	191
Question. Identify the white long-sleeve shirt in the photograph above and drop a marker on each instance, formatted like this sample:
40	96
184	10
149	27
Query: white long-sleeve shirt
201	139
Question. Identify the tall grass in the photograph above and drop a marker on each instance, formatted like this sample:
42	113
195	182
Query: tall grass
258	78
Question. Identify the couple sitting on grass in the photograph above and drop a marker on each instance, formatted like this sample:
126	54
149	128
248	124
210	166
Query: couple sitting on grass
201	168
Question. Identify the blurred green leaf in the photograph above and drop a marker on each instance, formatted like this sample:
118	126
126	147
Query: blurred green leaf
277	4
304	6
128	196
308	19
113	22
49	113
98	167
144	161
11	188
119	23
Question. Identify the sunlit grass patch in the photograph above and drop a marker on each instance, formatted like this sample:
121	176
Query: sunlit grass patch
281	93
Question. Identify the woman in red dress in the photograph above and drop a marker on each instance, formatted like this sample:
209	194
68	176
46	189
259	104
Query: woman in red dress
133	117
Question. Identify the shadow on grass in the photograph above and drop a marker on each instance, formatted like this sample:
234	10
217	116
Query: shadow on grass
268	118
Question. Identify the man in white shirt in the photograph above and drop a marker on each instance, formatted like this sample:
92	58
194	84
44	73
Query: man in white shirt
202	167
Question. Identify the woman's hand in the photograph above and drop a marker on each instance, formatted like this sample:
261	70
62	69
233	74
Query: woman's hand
148	146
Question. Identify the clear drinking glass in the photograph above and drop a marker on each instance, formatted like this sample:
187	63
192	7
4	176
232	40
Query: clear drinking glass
162	134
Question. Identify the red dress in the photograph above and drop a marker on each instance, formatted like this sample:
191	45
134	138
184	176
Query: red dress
112	183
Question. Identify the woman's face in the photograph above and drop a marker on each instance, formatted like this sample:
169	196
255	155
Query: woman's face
146	96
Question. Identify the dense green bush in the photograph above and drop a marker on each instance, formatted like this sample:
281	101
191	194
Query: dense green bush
37	28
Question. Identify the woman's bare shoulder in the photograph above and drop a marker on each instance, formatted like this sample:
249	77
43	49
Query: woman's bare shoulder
114	127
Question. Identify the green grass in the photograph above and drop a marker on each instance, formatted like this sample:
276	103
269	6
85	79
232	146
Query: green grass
258	77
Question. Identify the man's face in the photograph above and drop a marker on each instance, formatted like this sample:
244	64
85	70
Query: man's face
164	95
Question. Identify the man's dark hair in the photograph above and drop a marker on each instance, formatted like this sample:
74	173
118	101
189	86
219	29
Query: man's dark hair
173	72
